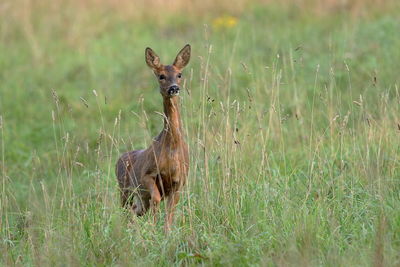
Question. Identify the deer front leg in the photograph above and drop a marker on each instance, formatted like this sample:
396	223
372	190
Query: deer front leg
172	200
155	198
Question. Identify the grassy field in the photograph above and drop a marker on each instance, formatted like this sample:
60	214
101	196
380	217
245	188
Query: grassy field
292	116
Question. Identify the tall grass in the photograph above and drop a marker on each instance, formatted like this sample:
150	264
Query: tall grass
291	114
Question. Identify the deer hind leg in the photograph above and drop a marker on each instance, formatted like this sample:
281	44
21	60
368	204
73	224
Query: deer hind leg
127	181
126	198
149	183
141	205
134	202
128	201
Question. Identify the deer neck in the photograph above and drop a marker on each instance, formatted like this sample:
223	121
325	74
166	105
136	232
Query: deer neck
172	131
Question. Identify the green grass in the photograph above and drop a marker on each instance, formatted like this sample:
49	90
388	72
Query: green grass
292	120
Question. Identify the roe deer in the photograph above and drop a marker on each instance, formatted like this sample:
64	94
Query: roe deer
147	176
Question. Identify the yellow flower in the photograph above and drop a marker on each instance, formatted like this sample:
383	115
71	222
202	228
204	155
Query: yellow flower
224	22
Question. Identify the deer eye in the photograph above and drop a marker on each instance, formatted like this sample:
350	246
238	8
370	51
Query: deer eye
179	75
162	77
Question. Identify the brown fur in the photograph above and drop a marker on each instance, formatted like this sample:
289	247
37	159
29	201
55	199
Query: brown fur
147	176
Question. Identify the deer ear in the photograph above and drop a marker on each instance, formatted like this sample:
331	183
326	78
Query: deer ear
152	60
183	57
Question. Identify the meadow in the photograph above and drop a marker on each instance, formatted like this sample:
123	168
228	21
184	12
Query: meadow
291	111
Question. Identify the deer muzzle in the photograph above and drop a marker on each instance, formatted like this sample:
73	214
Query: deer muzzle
173	90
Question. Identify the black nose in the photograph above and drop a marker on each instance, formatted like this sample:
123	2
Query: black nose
173	90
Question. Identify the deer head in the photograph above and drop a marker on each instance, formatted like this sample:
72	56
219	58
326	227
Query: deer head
169	76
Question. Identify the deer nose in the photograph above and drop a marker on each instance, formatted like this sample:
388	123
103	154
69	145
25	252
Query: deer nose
173	90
